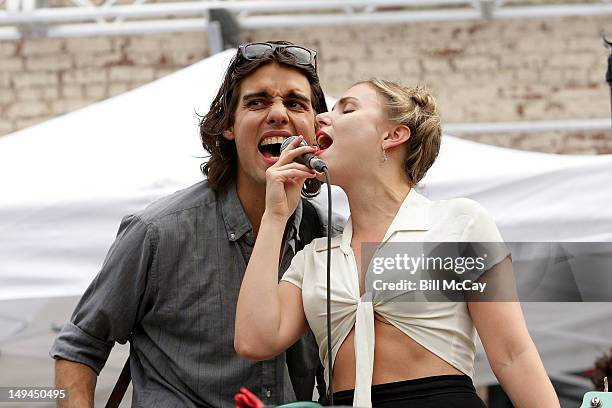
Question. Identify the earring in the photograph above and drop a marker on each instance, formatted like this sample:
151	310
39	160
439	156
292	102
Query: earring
384	152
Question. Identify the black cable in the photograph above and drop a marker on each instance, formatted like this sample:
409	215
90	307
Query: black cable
330	387
609	80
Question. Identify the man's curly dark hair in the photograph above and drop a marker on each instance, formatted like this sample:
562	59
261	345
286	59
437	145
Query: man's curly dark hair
221	166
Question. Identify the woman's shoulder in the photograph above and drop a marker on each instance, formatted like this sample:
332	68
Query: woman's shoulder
470	220
459	206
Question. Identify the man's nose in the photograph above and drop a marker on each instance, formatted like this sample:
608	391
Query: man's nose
277	115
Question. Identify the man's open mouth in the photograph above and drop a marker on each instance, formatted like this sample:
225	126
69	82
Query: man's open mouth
270	146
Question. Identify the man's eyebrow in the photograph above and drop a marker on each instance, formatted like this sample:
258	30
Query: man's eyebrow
343	101
297	95
266	95
260	94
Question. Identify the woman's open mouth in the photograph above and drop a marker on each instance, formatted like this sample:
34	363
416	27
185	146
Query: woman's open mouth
324	141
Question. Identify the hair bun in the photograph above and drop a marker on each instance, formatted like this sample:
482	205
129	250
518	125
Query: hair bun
423	98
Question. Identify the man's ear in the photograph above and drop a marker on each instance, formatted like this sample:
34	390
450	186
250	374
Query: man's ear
397	135
229	134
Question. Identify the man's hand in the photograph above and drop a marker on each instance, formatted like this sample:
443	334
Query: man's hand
284	180
79	380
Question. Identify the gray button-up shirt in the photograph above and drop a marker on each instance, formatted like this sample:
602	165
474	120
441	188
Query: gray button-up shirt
169	285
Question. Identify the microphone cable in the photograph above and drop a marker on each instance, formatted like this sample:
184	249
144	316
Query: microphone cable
330	386
317	164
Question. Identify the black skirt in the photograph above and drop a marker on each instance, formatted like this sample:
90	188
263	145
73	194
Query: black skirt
448	391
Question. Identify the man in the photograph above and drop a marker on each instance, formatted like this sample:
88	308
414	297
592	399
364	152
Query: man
170	281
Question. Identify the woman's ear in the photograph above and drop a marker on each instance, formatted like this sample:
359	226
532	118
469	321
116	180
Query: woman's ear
229	134
397	135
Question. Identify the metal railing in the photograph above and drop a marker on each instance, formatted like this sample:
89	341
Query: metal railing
31	18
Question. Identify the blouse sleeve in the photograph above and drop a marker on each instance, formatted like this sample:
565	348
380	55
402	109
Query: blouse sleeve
482	229
295	272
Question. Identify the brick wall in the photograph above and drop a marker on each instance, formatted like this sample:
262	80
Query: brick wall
503	70
512	70
529	69
40	79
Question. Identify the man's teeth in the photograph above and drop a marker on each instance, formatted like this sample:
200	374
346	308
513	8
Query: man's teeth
272	140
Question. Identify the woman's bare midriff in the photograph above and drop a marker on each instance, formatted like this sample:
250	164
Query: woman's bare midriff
396	358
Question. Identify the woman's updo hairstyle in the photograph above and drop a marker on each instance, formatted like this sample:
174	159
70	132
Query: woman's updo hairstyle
416	108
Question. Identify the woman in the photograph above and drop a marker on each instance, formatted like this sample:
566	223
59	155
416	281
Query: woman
379	141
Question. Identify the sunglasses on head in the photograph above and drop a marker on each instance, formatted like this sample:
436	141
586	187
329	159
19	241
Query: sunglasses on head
256	50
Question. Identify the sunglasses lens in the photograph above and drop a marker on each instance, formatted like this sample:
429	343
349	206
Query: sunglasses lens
257	50
302	56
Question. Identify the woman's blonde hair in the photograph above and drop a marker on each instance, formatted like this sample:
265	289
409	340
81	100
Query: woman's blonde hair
414	107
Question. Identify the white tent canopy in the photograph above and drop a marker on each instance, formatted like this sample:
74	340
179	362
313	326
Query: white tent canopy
67	182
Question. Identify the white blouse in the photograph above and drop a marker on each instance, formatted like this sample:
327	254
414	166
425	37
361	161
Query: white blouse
444	328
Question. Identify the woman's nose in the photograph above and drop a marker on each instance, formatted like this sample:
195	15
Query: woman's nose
322	119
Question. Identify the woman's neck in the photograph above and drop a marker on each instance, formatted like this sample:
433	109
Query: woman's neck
373	205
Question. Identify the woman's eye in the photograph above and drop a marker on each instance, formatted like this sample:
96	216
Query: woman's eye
348	111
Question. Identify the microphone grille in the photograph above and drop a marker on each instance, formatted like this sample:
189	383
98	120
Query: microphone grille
288	140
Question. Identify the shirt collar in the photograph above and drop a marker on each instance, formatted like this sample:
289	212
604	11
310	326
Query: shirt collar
294	227
297	218
236	222
413	215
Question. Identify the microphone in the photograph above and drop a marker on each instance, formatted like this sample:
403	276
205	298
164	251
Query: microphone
307	159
